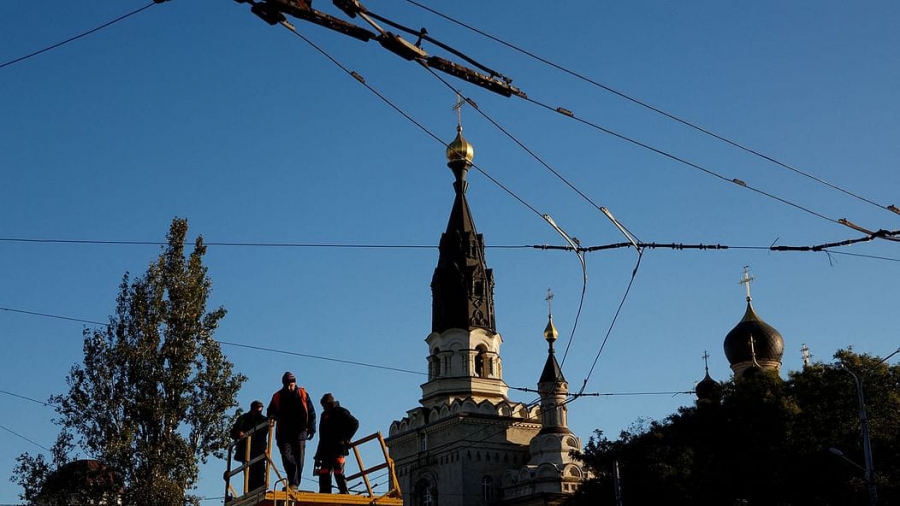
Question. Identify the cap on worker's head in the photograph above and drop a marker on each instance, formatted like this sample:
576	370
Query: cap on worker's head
256	404
327	399
288	378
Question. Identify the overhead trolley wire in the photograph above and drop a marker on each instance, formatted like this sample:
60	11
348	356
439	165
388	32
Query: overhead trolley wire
596	126
655	109
14	433
76	37
585	249
613	322
403	113
681	160
271	350
319	357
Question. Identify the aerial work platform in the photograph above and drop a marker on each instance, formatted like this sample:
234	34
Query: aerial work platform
274	493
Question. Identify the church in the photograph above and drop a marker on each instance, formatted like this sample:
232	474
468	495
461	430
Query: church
466	442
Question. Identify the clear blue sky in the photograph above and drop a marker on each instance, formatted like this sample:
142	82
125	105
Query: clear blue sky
199	109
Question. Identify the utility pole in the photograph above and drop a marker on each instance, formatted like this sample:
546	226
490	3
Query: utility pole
864	429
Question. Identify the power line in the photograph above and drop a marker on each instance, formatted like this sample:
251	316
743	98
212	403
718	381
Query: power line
240	345
42	403
14	433
229	244
46	315
320	357
657	110
80	35
613	322
681	160
403	113
588	249
588	123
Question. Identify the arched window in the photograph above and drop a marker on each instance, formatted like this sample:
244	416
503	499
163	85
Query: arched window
480	361
425	493
434	365
487	489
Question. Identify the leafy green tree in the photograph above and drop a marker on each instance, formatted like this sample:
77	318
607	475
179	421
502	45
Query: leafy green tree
765	443
151	397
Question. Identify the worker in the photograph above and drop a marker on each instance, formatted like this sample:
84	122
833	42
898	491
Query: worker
336	428
295	423
242	427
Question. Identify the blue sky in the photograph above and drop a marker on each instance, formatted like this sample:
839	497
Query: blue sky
200	110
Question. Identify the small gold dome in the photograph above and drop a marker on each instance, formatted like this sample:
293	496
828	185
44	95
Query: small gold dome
460	149
550	333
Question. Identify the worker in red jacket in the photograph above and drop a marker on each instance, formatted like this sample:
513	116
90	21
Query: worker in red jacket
295	422
336	428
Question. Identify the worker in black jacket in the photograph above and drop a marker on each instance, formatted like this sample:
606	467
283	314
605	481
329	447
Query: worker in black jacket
242	427
336	428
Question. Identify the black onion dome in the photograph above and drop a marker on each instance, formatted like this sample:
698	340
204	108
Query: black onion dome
767	342
708	389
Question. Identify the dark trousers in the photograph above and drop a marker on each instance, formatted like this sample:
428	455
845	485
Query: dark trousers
292	453
257	474
335	466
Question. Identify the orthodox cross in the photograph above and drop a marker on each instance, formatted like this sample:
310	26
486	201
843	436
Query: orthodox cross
458	108
746	280
807	356
706	361
549	299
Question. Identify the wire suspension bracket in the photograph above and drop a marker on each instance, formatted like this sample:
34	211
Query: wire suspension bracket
275	11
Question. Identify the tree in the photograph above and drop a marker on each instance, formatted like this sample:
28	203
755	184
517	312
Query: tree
151	397
766	443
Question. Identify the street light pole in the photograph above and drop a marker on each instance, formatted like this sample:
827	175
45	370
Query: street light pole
840	454
864	428
867	447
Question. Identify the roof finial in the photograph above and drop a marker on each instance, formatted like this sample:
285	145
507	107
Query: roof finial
460	150
550	332
746	280
458	108
706	361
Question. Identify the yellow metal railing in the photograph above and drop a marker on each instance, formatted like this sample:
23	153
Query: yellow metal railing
257	431
271	493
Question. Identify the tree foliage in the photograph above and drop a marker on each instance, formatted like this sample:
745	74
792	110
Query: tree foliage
765	443
151	397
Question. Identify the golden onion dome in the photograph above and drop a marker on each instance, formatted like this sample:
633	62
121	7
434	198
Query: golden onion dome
460	148
550	333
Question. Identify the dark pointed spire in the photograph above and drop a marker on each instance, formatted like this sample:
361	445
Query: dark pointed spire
552	373
462	287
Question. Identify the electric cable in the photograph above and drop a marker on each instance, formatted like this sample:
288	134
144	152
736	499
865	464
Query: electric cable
613	322
403	113
236	244
76	37
657	110
684	161
587	249
679	159
226	343
45	315
42	403
14	433
320	357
